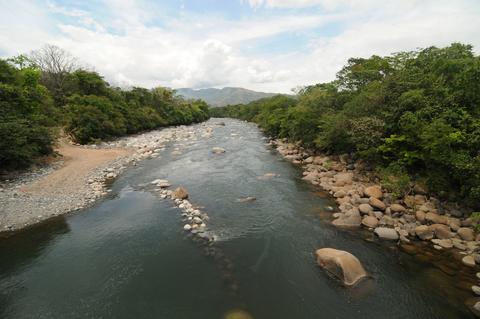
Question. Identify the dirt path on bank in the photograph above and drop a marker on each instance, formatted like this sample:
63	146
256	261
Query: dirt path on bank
78	165
62	190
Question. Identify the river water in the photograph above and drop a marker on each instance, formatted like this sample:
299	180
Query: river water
128	256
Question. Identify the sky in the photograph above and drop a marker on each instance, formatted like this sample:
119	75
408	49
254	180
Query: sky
264	45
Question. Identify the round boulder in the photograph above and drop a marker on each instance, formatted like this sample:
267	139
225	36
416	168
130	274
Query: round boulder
375	202
341	264
424	232
180	193
397	208
373	191
365	208
386	233
466	233
370	221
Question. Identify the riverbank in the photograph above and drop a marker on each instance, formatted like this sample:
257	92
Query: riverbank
415	222
80	176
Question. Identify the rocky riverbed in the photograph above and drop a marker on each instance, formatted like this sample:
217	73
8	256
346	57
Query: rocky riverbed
24	203
417	217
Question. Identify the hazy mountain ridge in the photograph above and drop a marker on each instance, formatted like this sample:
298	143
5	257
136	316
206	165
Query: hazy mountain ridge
226	96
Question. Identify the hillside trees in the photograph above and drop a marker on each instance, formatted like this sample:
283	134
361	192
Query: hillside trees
415	113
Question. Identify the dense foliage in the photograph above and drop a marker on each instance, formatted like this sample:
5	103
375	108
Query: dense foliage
411	114
36	103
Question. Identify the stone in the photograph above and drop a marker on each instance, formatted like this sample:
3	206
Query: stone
341	264
348	221
237	314
386	233
187	227
397	208
441	231
197	220
340	194
370	221
476	290
424	232
420	216
373	191
365	208
454	223
436	219
375	202
466	233
444	243
180	193
218	150
342	179
468	261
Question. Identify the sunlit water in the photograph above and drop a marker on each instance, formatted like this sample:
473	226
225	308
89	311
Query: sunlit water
128	256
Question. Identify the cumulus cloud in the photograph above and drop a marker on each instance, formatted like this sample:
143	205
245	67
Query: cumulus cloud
205	50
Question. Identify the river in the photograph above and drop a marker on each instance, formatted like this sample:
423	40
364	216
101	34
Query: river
128	256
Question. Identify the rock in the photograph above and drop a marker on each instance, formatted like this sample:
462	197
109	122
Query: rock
468	261
441	231
312	176
466	233
436	219
444	243
237	314
420	216
370	221
348	221
375	202
365	208
187	227
424	232
341	264
373	191
180	193
397	208
340	194
419	189
246	199
386	233
343	179
476	290
454	223
218	150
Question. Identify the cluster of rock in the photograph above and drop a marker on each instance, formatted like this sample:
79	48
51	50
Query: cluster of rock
195	220
361	204
23	209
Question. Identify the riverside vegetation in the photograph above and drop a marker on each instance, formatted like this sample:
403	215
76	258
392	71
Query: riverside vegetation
46	91
414	116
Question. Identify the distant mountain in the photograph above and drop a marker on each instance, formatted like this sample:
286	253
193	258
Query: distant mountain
225	96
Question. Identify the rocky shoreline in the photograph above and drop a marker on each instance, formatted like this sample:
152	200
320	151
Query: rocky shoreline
411	222
22	209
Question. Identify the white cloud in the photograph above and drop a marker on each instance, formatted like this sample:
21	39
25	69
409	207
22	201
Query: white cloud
208	50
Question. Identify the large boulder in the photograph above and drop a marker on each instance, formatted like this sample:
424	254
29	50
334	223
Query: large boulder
341	264
351	220
424	232
180	193
373	191
370	221
466	233
441	231
397	208
342	179
365	208
386	233
436	219
375	202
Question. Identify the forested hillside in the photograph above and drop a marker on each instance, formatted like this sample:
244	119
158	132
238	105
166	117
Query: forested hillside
225	96
413	115
46	92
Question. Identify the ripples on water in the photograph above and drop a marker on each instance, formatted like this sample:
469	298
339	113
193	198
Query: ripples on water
128	257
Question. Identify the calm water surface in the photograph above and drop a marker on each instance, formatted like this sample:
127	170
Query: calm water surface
128	257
